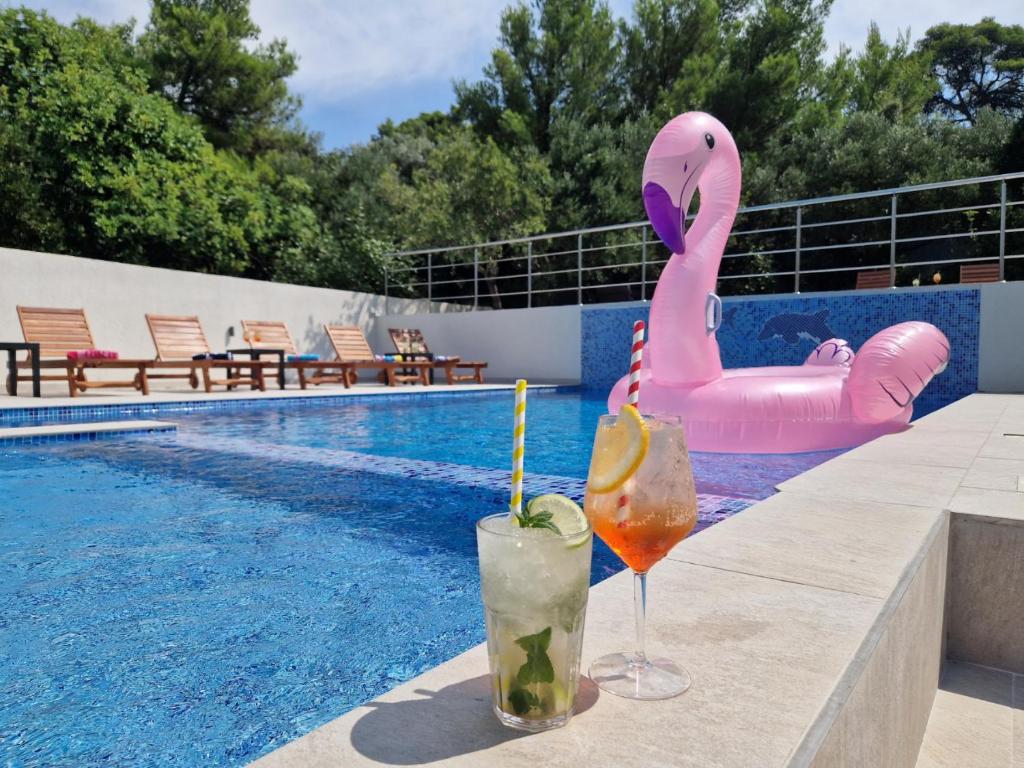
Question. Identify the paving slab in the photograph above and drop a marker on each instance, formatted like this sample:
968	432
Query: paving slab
1001	445
764	655
928	446
972	720
988	503
997	474
878	481
843	544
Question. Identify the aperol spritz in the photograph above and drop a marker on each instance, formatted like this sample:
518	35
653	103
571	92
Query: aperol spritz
641	501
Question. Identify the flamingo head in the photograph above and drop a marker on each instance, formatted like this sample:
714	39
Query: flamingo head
676	163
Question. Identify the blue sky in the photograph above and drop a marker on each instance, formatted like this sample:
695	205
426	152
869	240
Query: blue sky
363	62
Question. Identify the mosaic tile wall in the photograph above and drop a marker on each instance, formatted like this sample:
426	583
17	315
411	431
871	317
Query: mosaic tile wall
784	331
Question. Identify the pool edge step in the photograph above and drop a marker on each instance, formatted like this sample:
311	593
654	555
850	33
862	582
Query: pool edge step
54	433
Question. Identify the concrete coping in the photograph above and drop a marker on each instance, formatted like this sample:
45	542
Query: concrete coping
181	395
811	624
58	432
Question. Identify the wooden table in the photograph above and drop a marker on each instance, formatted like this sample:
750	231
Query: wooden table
12	348
257	353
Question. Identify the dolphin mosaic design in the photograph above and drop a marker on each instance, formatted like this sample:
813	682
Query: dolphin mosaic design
791	327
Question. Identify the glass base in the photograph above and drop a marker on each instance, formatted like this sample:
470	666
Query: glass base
625	675
534	726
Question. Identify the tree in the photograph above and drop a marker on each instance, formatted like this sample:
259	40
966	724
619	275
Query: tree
891	80
600	180
98	166
200	54
666	41
977	66
469	190
773	55
555	59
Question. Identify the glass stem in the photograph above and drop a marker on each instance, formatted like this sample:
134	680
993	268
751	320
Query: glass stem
640	603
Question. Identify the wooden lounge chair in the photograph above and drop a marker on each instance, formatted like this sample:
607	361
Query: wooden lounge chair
350	346
410	341
876	278
979	273
274	334
59	331
178	339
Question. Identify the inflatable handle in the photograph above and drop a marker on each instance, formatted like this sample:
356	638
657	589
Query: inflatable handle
713	313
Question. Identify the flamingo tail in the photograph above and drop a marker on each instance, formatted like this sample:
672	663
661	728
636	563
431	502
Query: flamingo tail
893	367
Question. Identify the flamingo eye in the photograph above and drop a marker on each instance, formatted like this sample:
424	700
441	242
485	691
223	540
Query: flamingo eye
709	140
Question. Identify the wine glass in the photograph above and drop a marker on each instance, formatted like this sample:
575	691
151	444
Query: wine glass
641	519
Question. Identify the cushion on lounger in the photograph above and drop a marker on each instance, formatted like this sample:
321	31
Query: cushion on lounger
92	354
302	358
214	356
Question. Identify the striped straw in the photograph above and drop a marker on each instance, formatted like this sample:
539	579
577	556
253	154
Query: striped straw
633	398
518	446
636	357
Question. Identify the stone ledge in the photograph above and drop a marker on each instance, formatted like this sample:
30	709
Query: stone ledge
53	433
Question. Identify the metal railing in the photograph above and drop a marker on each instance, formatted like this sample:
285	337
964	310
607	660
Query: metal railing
826	243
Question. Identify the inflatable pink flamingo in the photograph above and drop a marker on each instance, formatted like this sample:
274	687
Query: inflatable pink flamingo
836	399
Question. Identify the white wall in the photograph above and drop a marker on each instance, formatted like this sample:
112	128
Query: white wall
541	345
116	298
1001	342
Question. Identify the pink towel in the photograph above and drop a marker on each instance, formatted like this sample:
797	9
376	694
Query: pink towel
92	354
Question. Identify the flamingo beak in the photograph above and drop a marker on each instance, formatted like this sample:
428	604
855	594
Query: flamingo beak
668	193
669	221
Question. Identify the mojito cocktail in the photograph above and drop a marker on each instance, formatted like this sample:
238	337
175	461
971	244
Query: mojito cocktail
535	581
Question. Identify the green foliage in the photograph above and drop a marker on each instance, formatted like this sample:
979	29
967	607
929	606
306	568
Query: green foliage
195	52
978	66
555	58
889	80
180	147
96	165
868	151
670	45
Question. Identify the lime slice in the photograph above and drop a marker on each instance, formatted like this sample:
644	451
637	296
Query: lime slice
619	451
566	514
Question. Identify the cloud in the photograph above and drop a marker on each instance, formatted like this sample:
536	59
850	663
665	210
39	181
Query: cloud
349	47
849	21
103	11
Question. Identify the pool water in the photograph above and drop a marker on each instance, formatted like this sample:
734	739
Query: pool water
205	597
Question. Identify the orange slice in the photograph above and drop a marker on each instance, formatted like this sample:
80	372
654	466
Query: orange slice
619	451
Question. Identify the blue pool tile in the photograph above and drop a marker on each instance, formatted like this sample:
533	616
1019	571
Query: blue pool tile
785	330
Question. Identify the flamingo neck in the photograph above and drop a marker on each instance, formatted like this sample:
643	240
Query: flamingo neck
682	352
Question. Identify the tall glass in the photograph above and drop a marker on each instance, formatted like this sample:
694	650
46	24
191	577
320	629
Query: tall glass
641	521
535	585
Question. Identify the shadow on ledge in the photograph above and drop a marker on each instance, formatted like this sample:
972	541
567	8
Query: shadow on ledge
456	720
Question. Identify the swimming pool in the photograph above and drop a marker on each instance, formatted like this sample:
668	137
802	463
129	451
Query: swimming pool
202	598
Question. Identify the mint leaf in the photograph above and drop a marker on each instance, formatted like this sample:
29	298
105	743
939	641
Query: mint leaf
538	668
536	520
522	701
